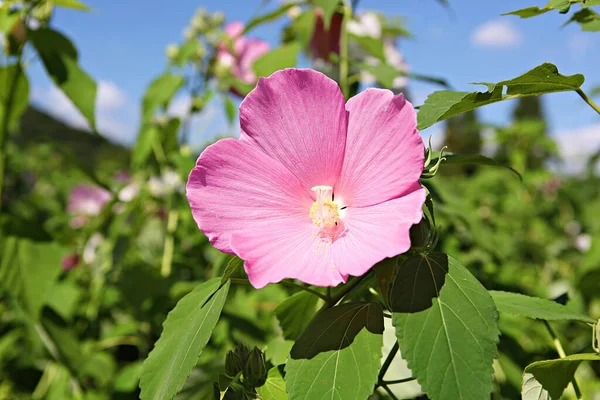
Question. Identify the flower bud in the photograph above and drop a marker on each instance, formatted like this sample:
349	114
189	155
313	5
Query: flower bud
419	234
197	104
255	370
172	50
233	363
189	33
218	18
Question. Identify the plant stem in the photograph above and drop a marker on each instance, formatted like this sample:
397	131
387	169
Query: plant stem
356	282
389	392
561	353
388	362
588	100
323	297
344	50
167	258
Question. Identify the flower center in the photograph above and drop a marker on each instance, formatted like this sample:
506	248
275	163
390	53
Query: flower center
325	214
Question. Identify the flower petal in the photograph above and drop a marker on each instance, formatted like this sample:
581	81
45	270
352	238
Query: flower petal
290	249
384	152
236	187
377	232
297	116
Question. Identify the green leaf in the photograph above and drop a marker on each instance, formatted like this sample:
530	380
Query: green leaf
185	334
282	57
159	93
295	313
385	271
15	84
555	375
542	79
268	17
532	389
588	19
147	137
371	45
453	158
65	299
303	27
186	52
562	6
74	4
61	341
328	7
338	355
59	57
446	324
235	267
535	307
127	379
274	387
230	109
8	19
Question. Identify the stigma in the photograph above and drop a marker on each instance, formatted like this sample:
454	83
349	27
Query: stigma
325	214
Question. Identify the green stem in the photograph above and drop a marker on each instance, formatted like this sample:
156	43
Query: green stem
389	392
561	353
323	297
344	50
167	258
388	362
588	100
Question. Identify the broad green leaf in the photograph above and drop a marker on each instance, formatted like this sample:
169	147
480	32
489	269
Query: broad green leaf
295	313
535	307
159	93
59	57
446	324
74	4
532	389
588	19
274	387
282	57
328	7
185	334
453	158
147	138
338	356
268	17
555	375
13	86
371	45
303	27
542	79
65	299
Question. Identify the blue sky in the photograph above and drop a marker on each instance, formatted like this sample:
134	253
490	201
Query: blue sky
121	44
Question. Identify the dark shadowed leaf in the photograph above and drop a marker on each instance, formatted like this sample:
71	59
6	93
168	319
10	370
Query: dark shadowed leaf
545	78
338	355
60	60
449	339
295	313
535	307
385	271
453	158
185	333
554	375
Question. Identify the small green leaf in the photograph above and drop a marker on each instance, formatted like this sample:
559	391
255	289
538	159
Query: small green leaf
234	267
328	7
186	52
268	17
274	387
338	355
74	4
147	137
555	375
303	27
282	57
127	378
230	109
528	12
446	324
534	307
562	6
453	158
545	78
185	334
295	313
59	57
159	93
371	45
15	87
8	19
588	19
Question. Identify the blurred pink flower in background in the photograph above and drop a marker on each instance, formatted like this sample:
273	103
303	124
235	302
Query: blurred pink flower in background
315	189
326	41
86	200
241	53
69	262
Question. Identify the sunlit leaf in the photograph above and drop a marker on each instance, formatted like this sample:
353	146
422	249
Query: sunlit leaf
295	313
282	57
230	109
268	17
446	324
588	19
371	45
554	375
338	355
59	57
532	389
186	52
74	4
159	93
185	334
542	79
274	387
534	307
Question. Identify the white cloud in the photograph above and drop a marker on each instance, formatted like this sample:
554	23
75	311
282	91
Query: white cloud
577	145
579	44
110	101
496	33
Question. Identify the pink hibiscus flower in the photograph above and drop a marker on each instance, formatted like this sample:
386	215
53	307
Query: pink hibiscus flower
314	189
86	200
241	55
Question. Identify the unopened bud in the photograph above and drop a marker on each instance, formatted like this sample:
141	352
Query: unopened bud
197	104
233	363
189	33
172	50
218	18
419	234
294	12
255	371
